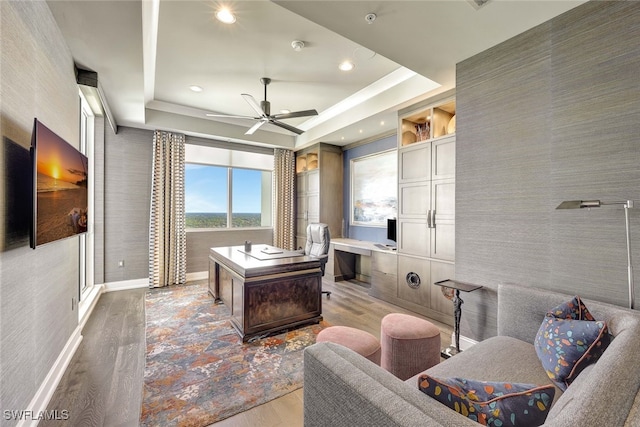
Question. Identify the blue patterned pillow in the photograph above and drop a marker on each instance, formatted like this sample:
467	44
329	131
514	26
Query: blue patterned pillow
491	403
569	340
573	309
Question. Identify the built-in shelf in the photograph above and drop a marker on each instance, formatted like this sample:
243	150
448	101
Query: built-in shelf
428	123
307	162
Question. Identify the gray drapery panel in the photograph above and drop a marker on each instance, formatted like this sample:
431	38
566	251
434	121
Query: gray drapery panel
167	235
284	175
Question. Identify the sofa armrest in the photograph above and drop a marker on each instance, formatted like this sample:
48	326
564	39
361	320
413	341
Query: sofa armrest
342	388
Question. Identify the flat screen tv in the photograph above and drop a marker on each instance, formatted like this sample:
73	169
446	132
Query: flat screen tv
391	229
60	191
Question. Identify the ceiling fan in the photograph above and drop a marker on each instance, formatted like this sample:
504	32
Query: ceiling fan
264	113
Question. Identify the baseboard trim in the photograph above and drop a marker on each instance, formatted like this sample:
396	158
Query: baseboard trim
86	306
40	401
198	275
126	285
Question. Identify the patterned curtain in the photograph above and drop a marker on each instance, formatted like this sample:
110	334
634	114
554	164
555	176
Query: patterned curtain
167	235
284	176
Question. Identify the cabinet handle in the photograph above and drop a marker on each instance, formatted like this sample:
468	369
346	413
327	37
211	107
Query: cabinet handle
433	218
429	218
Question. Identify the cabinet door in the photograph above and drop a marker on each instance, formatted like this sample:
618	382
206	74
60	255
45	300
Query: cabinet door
414	200
443	210
313	206
443	158
413	237
313	181
414	279
301	183
443	241
414	163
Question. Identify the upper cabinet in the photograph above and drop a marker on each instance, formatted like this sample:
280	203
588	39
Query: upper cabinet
428	123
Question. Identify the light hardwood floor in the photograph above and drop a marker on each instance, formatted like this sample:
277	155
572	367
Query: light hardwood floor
103	384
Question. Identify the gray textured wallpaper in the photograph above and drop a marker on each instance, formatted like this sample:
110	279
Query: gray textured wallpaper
36	286
127	194
550	115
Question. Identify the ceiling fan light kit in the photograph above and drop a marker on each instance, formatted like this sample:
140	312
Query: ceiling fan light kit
264	113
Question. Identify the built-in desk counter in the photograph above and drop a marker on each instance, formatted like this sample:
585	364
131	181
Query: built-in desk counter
379	265
403	280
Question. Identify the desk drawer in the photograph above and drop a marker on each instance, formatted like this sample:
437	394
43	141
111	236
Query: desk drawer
384	278
384	286
386	263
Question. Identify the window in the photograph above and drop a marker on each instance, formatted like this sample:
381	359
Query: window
227	196
251	198
374	194
206	196
87	240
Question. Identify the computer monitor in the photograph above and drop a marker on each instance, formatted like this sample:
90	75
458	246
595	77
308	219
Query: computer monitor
391	229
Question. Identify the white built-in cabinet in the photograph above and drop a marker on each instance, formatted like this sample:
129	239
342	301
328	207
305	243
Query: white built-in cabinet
319	173
426	212
426	199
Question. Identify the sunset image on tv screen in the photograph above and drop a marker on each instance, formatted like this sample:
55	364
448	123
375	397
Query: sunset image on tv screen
61	183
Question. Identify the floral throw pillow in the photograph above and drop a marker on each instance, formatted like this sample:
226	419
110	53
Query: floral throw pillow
569	339
491	403
573	309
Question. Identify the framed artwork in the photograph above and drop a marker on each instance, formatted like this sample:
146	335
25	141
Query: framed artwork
374	189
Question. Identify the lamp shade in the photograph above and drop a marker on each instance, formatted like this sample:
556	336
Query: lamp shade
579	204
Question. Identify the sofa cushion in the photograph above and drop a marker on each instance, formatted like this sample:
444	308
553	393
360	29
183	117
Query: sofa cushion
568	340
491	403
504	359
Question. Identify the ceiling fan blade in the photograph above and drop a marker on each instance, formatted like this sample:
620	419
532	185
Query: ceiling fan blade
287	127
232	116
255	127
252	102
304	113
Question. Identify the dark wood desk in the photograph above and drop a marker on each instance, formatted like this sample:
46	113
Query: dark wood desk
266	292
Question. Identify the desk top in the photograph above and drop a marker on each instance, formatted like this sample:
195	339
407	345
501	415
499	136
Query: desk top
246	265
360	244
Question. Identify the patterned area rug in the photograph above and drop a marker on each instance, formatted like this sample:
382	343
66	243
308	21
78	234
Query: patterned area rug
197	369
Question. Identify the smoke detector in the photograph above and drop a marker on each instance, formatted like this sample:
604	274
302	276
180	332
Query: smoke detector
297	45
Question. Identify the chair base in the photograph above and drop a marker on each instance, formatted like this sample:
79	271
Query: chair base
328	293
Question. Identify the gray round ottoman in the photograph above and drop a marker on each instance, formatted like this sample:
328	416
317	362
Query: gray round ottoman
410	345
359	341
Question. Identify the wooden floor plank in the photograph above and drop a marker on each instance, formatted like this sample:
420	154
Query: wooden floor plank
103	383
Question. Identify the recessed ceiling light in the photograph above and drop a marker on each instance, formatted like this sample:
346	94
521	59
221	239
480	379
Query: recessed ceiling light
224	15
382	123
195	88
346	66
360	131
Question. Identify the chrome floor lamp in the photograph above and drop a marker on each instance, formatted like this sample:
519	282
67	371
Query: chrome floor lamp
627	204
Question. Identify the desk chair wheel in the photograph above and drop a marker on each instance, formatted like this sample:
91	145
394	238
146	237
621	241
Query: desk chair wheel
328	294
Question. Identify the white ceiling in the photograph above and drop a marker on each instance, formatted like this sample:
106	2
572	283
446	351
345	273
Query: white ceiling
147	54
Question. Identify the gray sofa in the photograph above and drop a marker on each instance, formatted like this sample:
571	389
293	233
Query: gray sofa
341	388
